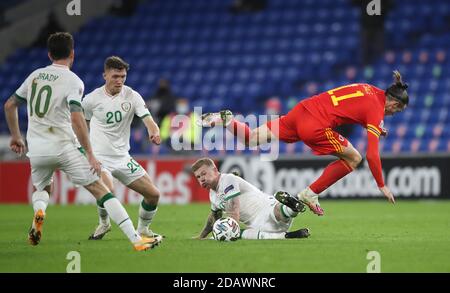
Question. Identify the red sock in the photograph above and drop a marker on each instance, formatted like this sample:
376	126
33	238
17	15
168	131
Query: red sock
240	130
332	173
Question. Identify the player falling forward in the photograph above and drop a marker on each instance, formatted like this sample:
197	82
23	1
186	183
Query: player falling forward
312	121
264	217
110	110
56	128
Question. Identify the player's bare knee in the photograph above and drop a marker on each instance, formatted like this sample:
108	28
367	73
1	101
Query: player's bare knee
152	196
253	138
354	160
151	200
259	137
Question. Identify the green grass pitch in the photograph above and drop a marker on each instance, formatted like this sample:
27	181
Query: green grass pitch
412	236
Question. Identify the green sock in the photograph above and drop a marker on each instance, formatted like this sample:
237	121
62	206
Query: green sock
146	214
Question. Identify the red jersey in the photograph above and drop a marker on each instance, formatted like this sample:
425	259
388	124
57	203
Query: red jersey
357	103
350	104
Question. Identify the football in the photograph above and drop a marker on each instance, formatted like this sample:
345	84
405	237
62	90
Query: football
226	229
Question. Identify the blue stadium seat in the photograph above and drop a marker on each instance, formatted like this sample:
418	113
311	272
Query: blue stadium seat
217	59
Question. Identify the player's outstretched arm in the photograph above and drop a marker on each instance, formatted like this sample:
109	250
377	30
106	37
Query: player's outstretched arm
80	128
388	194
16	144
212	218
152	129
373	159
233	207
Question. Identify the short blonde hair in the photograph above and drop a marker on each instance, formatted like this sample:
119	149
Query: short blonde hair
202	162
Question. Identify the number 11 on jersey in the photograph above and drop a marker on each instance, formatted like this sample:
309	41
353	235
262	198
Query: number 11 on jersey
336	99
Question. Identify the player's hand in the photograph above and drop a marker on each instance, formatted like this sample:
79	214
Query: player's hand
96	166
17	145
388	194
384	132
155	138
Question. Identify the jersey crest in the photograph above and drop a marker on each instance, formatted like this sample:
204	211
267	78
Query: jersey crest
126	106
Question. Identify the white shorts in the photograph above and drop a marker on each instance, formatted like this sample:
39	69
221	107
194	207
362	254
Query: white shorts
124	168
71	161
266	221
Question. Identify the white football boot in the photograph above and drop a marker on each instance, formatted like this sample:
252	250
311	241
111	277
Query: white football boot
311	199
222	118
100	231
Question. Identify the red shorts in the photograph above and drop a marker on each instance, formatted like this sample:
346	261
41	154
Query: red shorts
300	125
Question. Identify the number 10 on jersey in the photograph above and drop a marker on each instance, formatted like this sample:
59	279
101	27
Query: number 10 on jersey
37	106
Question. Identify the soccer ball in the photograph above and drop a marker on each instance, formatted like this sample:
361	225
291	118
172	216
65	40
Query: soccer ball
226	229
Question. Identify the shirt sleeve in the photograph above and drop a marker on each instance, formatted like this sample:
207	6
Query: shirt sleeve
231	189
87	107
140	108
374	130
22	92
75	92
373	158
214	206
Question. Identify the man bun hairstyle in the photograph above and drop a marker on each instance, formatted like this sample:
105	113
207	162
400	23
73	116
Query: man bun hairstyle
115	62
397	90
60	45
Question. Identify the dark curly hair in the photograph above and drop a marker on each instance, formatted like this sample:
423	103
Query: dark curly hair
60	45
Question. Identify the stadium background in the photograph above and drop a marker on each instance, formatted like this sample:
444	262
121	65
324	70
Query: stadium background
252	57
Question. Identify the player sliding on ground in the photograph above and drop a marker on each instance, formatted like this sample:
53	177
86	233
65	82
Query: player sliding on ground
264	217
312	121
110	110
56	128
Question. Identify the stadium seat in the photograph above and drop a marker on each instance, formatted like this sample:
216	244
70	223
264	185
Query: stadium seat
291	49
